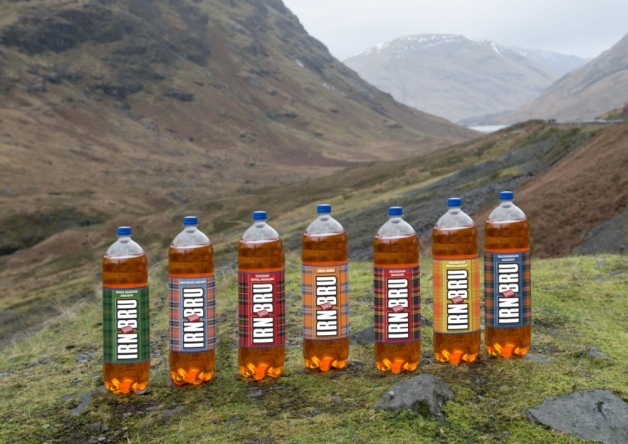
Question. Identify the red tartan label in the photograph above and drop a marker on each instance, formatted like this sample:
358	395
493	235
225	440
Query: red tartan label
261	309
397	304
508	293
126	330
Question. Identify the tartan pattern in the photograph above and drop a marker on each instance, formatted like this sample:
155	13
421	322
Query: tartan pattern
440	303
491	292
110	329
176	309
413	274
309	273
245	307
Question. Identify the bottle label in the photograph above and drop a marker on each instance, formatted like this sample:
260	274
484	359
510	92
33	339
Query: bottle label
325	301
192	314
397	304
126	325
456	295
261	309
507	289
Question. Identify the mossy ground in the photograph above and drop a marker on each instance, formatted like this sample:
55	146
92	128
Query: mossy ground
578	303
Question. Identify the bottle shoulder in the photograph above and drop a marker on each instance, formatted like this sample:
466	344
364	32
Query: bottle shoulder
455	219
190	238
260	232
124	247
507	212
396	228
324	225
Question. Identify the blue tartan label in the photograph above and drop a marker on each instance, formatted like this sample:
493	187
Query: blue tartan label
507	289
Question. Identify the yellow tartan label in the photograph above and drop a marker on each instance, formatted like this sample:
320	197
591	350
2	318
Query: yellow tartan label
456	295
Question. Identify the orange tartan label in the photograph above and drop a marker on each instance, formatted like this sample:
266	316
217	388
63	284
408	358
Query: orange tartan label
325	301
456	295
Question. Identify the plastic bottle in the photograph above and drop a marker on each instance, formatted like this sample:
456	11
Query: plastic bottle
507	279
261	301
191	306
325	293
397	295
456	286
126	323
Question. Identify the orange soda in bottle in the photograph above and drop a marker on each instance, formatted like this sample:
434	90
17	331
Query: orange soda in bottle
126	323
397	295
325	293
456	284
261	301
507	286
191	306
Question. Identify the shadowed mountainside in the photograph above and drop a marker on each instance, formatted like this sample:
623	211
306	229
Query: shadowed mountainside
111	107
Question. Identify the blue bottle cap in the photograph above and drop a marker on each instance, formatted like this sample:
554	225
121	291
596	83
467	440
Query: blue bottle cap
506	195
260	215
395	211
124	231
454	202
190	220
323	208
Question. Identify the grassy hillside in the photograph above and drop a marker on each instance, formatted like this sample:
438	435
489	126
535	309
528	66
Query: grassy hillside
578	303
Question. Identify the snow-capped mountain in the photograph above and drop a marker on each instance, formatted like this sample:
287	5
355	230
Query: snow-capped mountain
452	76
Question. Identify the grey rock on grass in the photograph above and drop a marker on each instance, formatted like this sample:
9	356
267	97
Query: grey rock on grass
423	394
597	415
365	336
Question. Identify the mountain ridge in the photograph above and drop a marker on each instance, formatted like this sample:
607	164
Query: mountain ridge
584	93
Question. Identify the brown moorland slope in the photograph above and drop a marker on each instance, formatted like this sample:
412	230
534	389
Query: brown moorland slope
576	194
111	107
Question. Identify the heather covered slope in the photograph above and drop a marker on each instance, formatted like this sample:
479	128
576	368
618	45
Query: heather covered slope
577	194
117	107
360	196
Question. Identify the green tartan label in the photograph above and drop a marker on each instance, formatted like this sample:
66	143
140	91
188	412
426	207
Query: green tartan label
126	325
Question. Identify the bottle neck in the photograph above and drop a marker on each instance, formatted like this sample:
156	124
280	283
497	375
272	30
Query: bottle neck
455	210
124	239
191	228
260	223
324	216
506	203
395	219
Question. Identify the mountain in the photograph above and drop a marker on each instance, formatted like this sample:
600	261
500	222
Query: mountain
556	62
451	75
111	108
582	94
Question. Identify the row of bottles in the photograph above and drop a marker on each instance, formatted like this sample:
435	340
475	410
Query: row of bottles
261	297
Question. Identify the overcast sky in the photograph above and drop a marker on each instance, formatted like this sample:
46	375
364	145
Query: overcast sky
581	27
